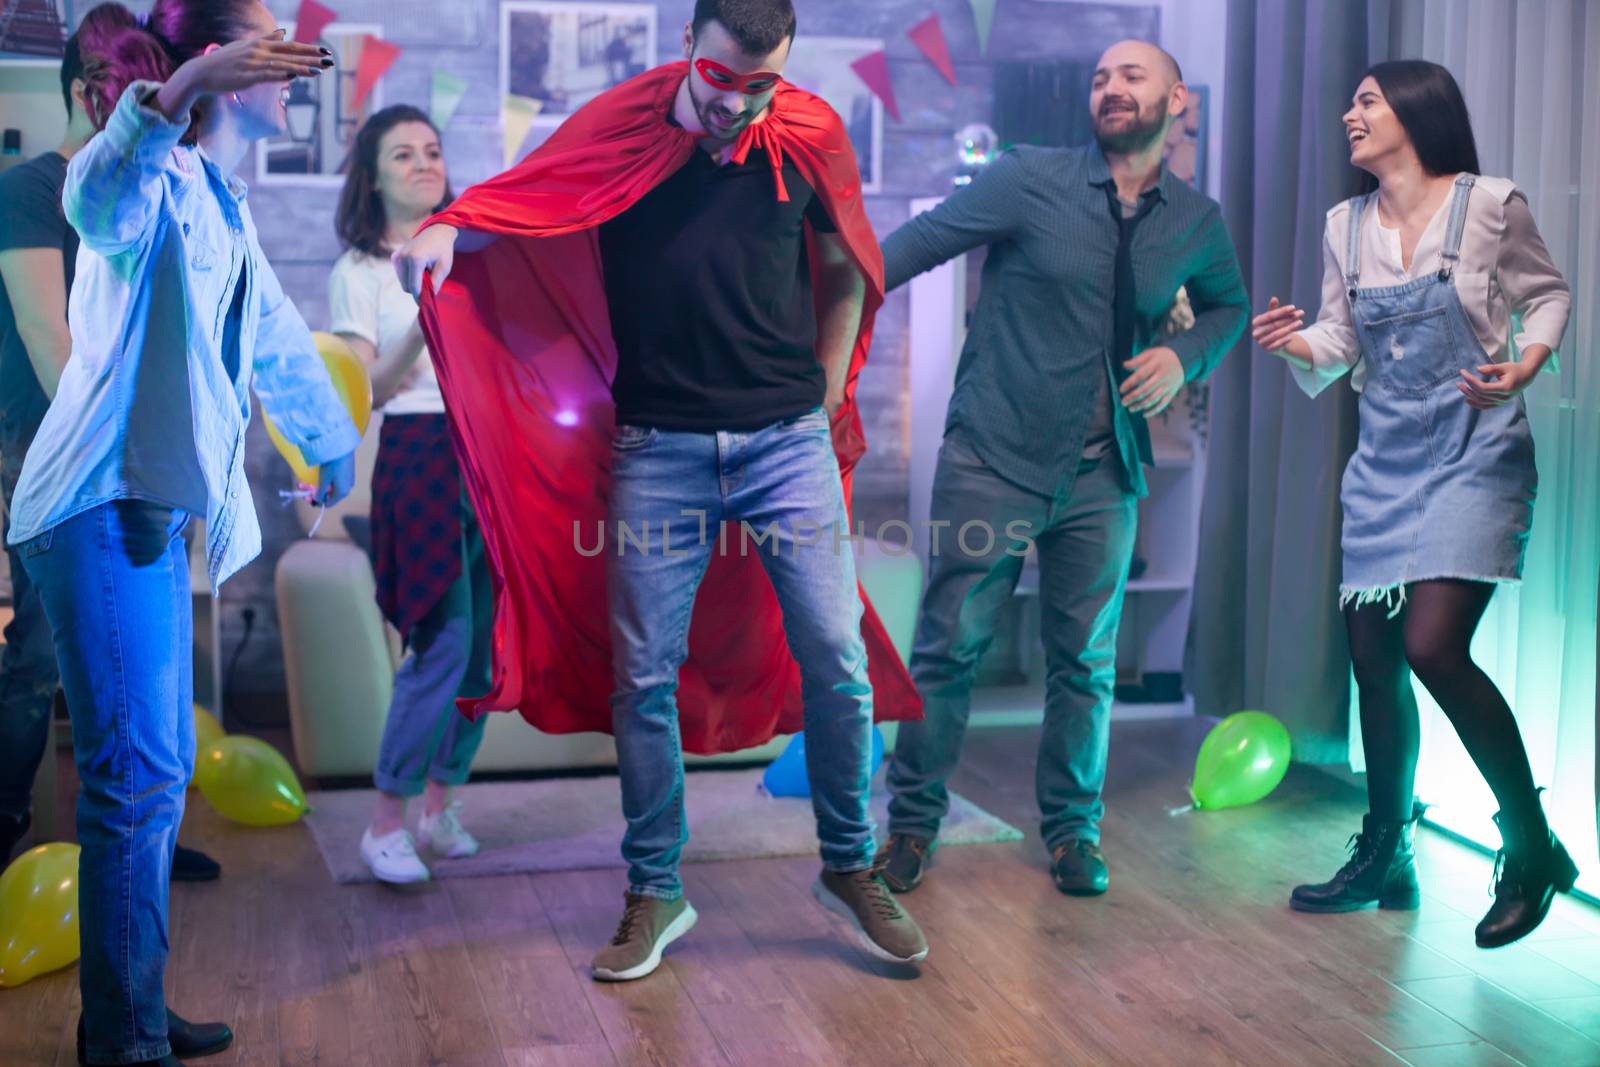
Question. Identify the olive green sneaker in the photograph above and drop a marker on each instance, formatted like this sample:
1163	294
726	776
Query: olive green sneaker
863	899
649	925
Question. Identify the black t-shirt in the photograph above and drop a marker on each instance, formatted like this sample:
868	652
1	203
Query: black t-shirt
710	295
30	217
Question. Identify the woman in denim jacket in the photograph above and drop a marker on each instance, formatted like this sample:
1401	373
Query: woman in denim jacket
175	315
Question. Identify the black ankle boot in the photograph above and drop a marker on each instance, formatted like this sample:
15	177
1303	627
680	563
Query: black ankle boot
1530	870
1382	870
189	1040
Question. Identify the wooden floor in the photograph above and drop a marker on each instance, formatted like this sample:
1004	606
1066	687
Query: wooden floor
1192	958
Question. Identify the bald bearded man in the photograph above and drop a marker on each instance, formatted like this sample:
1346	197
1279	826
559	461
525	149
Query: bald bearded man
1046	438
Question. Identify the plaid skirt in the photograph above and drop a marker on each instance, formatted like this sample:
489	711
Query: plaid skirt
416	517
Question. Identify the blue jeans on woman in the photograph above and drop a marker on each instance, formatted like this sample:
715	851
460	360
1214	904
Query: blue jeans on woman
425	739
783	478
114	580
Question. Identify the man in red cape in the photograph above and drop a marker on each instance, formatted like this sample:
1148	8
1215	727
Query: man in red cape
649	361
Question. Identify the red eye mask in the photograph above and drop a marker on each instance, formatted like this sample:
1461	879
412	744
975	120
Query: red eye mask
724	80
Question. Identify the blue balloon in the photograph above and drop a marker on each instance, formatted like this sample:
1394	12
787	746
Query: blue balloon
786	775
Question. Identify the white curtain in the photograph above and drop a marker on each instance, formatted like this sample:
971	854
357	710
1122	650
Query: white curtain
1530	70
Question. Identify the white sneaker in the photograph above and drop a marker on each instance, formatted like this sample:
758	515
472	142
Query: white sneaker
393	858
444	834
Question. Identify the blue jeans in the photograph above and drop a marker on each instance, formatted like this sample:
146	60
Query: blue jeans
784	477
114	581
28	677
1084	543
425	737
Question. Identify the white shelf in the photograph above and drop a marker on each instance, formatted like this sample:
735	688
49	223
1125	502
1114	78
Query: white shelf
1023	705
1028	584
1173	458
1159	585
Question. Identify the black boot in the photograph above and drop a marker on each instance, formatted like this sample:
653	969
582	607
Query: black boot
192	865
12	830
189	1040
1530	870
1382	870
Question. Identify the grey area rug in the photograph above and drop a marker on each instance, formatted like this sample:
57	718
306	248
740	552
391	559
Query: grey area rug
564	824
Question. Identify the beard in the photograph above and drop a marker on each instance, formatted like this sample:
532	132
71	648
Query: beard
703	113
1145	129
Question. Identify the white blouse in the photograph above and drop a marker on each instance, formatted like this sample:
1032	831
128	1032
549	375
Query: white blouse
365	299
1504	268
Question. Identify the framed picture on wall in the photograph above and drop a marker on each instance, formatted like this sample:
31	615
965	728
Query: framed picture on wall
34	32
821	65
1186	140
564	54
322	116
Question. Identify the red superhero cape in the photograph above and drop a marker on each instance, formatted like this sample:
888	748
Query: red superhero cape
521	337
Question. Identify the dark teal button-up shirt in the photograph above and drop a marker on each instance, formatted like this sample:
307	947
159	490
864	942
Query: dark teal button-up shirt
1038	348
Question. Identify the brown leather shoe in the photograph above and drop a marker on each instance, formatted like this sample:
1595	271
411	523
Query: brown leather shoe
1079	868
904	859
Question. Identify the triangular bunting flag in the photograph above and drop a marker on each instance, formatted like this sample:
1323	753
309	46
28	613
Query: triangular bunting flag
929	36
448	91
516	119
873	69
983	13
377	56
311	21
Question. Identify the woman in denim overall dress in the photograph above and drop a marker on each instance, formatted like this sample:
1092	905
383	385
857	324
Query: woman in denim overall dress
1422	275
176	317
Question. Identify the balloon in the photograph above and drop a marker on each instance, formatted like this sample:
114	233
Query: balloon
1242	759
39	913
247	780
786	776
350	379
207	732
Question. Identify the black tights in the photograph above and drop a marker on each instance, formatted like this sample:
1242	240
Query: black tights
1432	636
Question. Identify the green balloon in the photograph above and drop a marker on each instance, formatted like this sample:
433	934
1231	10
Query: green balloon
1242	759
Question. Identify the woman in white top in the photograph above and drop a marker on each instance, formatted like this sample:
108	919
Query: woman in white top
432	578
1422	276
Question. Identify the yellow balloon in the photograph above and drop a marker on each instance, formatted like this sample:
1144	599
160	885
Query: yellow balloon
350	380
207	732
247	780
38	913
